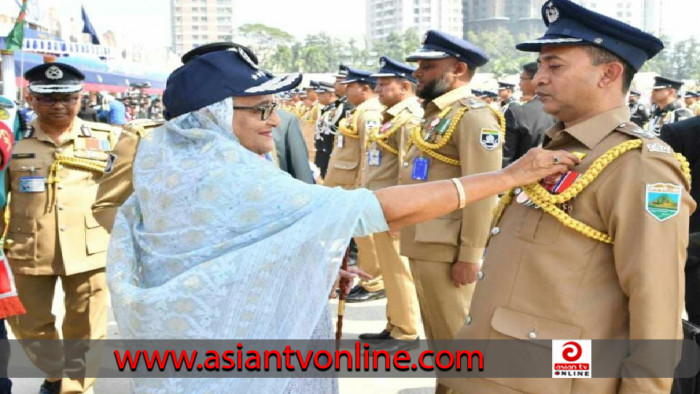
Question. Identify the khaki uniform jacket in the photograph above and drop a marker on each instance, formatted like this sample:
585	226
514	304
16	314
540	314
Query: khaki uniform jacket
51	230
116	184
396	122
543	280
462	234
348	156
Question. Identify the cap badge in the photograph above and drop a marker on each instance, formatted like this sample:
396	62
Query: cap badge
53	72
552	13
247	58
598	40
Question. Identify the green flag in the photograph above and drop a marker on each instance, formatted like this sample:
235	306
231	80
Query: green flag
16	36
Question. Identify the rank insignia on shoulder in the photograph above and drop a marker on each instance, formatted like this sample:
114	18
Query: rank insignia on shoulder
644	133
489	138
663	200
475	104
659	148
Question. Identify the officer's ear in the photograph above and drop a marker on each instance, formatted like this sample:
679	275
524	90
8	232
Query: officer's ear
460	69
611	73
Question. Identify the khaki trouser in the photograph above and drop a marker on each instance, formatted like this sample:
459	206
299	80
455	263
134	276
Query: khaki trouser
443	306
401	302
86	298
368	261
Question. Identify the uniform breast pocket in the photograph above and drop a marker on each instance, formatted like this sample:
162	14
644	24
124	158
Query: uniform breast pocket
20	242
344	172
28	188
538	227
96	236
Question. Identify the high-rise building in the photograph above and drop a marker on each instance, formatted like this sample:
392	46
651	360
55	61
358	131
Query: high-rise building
197	22
386	16
525	17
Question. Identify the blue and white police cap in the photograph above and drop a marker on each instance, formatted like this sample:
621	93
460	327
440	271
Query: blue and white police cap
312	85
49	78
214	76
690	94
505	85
477	93
391	68
357	75
325	87
571	24
439	45
665	83
634	92
490	93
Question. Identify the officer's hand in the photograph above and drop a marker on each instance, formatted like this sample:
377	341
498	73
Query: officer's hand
539	163
353	272
464	273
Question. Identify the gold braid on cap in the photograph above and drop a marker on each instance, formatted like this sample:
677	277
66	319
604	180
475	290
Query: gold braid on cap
548	202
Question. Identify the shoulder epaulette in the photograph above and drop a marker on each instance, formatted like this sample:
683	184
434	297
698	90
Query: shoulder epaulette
473	103
632	129
142	126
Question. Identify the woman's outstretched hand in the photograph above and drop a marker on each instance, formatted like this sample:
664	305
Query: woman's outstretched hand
539	163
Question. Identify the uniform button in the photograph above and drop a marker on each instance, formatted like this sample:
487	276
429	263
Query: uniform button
405	164
59	150
60	207
495	231
63	229
469	320
480	275
59	186
532	334
517	190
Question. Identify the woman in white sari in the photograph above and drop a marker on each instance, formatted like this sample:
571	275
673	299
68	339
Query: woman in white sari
214	240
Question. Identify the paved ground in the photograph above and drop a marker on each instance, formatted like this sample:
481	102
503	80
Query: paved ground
359	318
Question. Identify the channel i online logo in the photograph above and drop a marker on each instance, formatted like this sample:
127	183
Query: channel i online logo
571	358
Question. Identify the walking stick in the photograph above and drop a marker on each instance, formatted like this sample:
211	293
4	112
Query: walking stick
343	284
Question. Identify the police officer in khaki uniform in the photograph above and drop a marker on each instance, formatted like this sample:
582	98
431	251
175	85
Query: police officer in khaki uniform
396	88
348	165
115	185
52	233
460	135
617	273
669	109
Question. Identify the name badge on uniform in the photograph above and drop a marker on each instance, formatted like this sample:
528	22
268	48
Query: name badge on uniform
32	184
420	169
340	140
374	157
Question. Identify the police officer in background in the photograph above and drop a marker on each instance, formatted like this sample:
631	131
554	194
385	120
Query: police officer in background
460	135
691	102
505	95
52	233
668	108
396	88
639	113
326	125
603	260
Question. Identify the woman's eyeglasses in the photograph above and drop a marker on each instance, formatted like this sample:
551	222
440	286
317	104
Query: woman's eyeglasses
265	110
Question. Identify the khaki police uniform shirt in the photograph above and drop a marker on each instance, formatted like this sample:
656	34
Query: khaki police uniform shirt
460	235
116	184
347	159
51	230
543	280
382	164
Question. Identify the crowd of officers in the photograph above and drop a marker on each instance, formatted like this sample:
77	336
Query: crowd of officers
398	125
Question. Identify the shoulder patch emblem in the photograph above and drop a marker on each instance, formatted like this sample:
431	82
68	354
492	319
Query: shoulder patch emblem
489	138
659	148
640	131
663	200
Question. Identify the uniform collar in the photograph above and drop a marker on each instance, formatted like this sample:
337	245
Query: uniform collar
591	131
452	96
410	103
369	104
68	136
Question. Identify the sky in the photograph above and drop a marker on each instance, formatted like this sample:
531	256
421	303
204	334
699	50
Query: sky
148	21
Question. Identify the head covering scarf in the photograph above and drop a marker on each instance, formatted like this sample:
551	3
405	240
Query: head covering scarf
217	243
